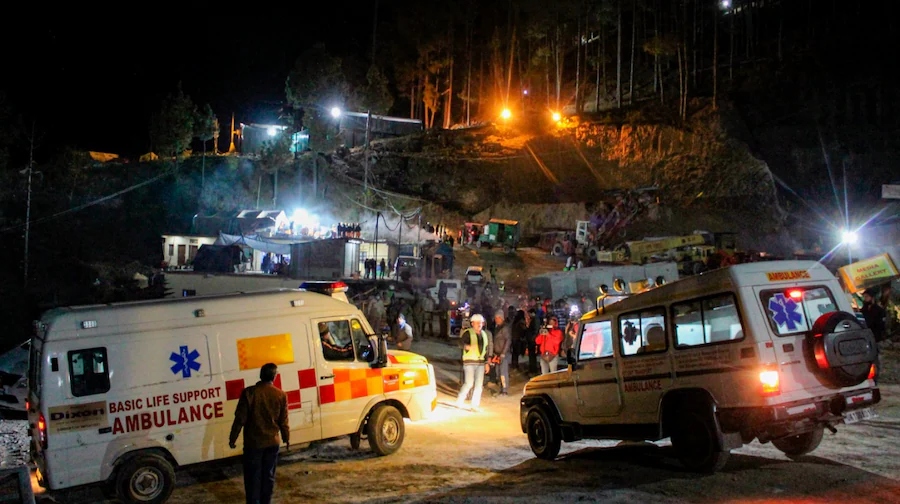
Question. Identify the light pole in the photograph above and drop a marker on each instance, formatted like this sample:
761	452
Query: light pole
849	238
30	171
366	159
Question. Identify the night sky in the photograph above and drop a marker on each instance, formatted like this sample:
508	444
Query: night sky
94	83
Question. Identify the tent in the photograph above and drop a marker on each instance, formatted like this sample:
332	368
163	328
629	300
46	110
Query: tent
256	243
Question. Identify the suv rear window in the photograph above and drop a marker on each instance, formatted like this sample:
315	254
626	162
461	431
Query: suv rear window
795	310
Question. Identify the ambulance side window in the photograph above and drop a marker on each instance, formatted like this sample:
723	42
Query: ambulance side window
337	343
705	321
358	333
596	340
88	372
643	332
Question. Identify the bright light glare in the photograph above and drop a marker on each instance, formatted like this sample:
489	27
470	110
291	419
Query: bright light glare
726	4
335	112
302	219
272	131
506	114
525	91
557	116
849	237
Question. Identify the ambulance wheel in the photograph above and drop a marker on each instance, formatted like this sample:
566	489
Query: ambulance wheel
696	441
146	479
355	438
801	444
543	435
385	430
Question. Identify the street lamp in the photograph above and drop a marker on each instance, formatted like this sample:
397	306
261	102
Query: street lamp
505	114
335	112
557	117
849	238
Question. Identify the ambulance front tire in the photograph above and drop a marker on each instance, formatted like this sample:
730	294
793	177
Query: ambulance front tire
145	479
385	430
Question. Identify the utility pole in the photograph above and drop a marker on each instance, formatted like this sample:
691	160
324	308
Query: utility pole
366	159
28	203
377	216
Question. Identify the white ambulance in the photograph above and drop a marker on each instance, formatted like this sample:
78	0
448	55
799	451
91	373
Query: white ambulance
765	350
123	394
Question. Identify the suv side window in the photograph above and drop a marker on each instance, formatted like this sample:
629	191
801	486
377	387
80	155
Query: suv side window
706	321
88	372
596	340
643	332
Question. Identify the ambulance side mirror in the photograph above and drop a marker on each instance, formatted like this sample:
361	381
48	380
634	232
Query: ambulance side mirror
378	356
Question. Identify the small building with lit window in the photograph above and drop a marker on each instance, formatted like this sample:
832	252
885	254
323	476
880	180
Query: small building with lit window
252	137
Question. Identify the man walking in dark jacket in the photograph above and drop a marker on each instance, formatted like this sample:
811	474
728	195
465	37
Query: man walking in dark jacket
502	349
262	414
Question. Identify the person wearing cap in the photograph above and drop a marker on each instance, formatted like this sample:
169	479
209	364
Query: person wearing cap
404	334
502	349
476	346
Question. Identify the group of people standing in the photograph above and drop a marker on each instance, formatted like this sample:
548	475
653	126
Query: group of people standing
375	269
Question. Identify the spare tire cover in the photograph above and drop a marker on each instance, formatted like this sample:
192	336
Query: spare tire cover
841	349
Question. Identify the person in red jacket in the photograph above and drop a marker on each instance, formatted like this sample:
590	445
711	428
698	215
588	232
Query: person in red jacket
549	342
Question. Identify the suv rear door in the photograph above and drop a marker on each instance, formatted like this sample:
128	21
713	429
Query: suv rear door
789	312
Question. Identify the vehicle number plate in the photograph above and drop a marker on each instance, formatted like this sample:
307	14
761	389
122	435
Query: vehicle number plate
859	415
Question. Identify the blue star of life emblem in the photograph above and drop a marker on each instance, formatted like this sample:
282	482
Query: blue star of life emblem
785	312
185	361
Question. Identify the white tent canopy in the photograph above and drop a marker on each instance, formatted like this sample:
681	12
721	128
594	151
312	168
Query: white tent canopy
281	247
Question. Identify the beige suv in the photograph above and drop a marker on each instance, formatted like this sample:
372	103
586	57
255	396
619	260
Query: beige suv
766	351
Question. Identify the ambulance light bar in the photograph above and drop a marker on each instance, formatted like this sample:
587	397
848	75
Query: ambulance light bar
325	287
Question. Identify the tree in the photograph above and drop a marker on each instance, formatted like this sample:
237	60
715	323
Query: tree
377	96
316	84
172	127
206	128
274	155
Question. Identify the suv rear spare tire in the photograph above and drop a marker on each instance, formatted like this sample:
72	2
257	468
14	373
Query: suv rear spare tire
842	350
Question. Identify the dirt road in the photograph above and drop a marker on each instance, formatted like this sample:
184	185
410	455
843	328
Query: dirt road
461	456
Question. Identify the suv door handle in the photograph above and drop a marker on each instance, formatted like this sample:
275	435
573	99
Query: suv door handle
326	377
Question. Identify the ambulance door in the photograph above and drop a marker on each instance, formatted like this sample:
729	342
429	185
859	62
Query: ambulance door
646	364
596	375
346	381
284	341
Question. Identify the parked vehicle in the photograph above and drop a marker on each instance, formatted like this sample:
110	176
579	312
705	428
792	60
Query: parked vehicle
124	394
767	351
500	233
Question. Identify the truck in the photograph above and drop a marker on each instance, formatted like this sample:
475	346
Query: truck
123	394
694	253
499	233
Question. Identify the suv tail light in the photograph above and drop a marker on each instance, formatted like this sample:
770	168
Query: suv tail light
872	371
770	381
42	431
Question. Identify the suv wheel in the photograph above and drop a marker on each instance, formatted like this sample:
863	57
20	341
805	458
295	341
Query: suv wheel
543	435
696	441
801	444
842	350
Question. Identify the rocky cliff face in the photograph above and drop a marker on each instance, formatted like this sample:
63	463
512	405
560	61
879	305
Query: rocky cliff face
549	175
